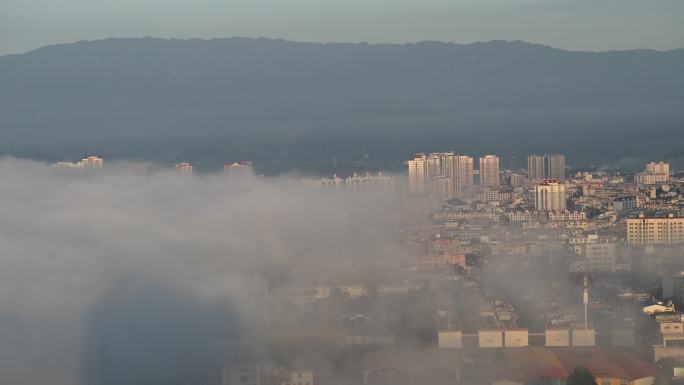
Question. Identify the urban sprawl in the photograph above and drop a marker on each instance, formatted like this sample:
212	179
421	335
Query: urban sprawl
510	277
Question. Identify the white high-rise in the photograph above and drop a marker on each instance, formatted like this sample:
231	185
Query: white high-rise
536	169
184	168
654	173
92	162
455	172
489	171
549	195
555	166
418	174
242	168
658	168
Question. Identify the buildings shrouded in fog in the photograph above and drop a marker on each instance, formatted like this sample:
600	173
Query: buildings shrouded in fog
517	180
92	162
184	168
654	173
445	174
489	170
549	166
366	182
549	195
418	174
240	168
459	170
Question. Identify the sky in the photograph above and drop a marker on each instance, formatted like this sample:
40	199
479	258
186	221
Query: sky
570	24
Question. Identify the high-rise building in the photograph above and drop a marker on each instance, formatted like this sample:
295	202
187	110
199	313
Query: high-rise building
240	168
489	171
549	195
655	230
68	165
658	168
184	168
555	166
434	164
441	186
517	180
418	174
535	168
654	173
454	171
370	182
92	162
459	170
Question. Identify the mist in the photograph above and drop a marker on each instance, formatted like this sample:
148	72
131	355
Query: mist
122	277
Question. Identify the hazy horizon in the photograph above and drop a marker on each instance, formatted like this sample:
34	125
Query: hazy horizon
570	24
208	39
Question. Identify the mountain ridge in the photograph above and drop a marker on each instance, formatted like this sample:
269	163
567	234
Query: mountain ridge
507	97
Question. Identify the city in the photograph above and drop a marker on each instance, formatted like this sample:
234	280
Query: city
535	271
385	192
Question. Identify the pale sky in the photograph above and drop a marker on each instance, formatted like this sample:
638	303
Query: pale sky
571	24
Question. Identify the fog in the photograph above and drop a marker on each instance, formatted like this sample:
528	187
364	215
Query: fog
121	277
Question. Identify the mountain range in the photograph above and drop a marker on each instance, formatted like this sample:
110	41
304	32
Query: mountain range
318	107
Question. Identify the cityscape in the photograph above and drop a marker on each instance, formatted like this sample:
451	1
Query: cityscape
412	192
536	271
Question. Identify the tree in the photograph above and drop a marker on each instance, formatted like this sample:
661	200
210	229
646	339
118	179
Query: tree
581	376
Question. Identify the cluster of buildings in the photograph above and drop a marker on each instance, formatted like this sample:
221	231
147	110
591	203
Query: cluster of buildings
241	168
505	277
355	182
89	162
96	162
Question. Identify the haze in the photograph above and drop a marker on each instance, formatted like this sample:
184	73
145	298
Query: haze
568	24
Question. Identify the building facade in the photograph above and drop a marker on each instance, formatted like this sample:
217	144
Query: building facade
535	168
555	166
184	168
418	174
92	162
489	171
655	230
654	173
549	195
242	168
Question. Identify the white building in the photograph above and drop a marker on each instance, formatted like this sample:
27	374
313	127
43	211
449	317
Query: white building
536	168
557	337
418	174
92	162
655	230
489	171
654	173
581	337
490	338
516	337
459	170
450	339
301	377
598	257
555	166
573	216
242	168
365	182
549	195
184	168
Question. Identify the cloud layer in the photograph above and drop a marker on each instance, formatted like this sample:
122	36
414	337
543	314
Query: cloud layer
147	276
